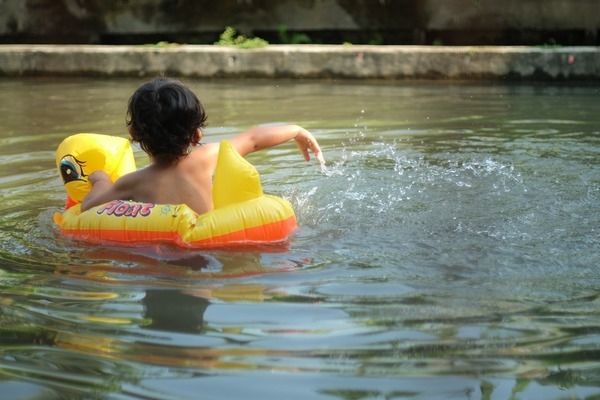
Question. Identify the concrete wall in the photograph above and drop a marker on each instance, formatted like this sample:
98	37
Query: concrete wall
359	21
314	61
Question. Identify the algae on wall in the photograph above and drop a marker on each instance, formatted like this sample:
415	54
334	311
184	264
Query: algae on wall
332	21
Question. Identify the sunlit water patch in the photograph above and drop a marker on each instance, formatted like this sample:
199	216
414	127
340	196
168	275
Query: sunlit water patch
449	249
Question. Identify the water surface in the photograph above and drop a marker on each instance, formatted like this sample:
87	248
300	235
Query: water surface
450	250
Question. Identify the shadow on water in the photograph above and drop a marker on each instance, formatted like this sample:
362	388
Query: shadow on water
449	250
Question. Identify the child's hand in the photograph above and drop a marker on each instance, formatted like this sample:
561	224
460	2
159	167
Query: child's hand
305	141
98	176
101	185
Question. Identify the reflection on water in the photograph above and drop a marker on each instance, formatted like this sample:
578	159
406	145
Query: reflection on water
449	250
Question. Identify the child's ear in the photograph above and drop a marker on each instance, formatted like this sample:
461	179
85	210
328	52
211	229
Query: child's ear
198	136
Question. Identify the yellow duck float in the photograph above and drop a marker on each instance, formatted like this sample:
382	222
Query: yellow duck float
242	214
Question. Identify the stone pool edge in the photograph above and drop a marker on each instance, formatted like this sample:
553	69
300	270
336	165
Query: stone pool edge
305	61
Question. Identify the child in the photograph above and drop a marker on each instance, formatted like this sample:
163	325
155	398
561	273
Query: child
166	119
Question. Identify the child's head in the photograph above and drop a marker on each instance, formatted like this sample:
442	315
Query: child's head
164	116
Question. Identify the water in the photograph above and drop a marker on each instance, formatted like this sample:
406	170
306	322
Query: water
449	250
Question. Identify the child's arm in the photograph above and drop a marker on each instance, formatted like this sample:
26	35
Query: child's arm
262	137
103	190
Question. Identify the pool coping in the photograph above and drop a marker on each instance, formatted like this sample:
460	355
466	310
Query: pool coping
305	61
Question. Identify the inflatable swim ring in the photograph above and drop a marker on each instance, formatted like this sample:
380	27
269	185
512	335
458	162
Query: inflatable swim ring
242	213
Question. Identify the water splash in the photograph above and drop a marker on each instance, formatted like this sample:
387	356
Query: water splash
377	181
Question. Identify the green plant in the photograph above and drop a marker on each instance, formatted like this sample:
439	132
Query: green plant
551	44
294	38
376	40
230	37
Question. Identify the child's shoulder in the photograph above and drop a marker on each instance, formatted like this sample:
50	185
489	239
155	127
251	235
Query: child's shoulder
132	178
204	155
205	151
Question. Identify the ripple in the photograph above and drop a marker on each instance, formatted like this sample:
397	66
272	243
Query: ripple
441	253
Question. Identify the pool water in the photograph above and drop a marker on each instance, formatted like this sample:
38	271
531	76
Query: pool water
450	249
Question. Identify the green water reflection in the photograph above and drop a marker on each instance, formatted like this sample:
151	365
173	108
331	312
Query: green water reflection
450	250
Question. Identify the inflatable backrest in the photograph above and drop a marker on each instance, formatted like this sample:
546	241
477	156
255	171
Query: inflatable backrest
235	179
81	154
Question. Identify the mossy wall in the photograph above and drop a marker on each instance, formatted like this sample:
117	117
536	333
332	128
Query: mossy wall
567	22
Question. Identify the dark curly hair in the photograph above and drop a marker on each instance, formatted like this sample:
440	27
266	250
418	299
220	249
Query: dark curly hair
163	116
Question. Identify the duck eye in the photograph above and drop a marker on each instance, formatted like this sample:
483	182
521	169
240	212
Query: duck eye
71	169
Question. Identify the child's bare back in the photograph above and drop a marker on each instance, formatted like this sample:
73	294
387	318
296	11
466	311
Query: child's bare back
189	181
